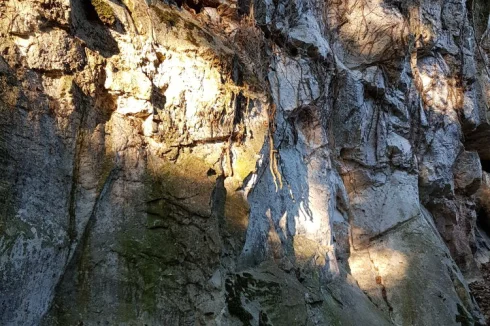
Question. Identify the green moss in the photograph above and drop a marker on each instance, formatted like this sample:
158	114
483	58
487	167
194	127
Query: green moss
104	11
106	168
147	255
151	254
189	173
170	18
464	316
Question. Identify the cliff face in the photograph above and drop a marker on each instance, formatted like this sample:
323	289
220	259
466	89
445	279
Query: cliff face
267	162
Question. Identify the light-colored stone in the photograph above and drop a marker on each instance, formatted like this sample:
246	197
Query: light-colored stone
467	172
189	166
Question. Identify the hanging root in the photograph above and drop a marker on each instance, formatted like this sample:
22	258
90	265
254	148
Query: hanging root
276	175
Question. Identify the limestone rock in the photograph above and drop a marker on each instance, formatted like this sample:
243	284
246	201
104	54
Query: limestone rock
467	172
243	163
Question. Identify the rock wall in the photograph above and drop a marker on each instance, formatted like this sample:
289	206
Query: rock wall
221	162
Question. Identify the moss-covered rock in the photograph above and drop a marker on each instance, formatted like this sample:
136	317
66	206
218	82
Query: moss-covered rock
104	11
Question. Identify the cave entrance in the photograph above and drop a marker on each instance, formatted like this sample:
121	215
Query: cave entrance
198	5
90	12
483	206
485	165
483	220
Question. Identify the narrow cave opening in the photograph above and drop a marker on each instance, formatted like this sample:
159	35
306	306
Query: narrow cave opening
195	5
400	5
485	165
483	220
483	207
243	7
90	12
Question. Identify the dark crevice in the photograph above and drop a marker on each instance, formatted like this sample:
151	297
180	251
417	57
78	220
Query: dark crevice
172	203
88	27
293	51
385	298
483	220
243	7
90	12
195	5
402	6
77	264
218	199
483	212
79	138
485	165
240	100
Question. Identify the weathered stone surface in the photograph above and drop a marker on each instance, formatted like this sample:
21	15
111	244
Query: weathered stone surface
467	172
55	51
405	261
483	203
387	201
243	163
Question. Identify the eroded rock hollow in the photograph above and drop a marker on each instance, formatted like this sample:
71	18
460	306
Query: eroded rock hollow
239	162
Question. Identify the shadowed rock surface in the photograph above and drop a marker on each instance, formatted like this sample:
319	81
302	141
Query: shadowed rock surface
266	162
481	290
